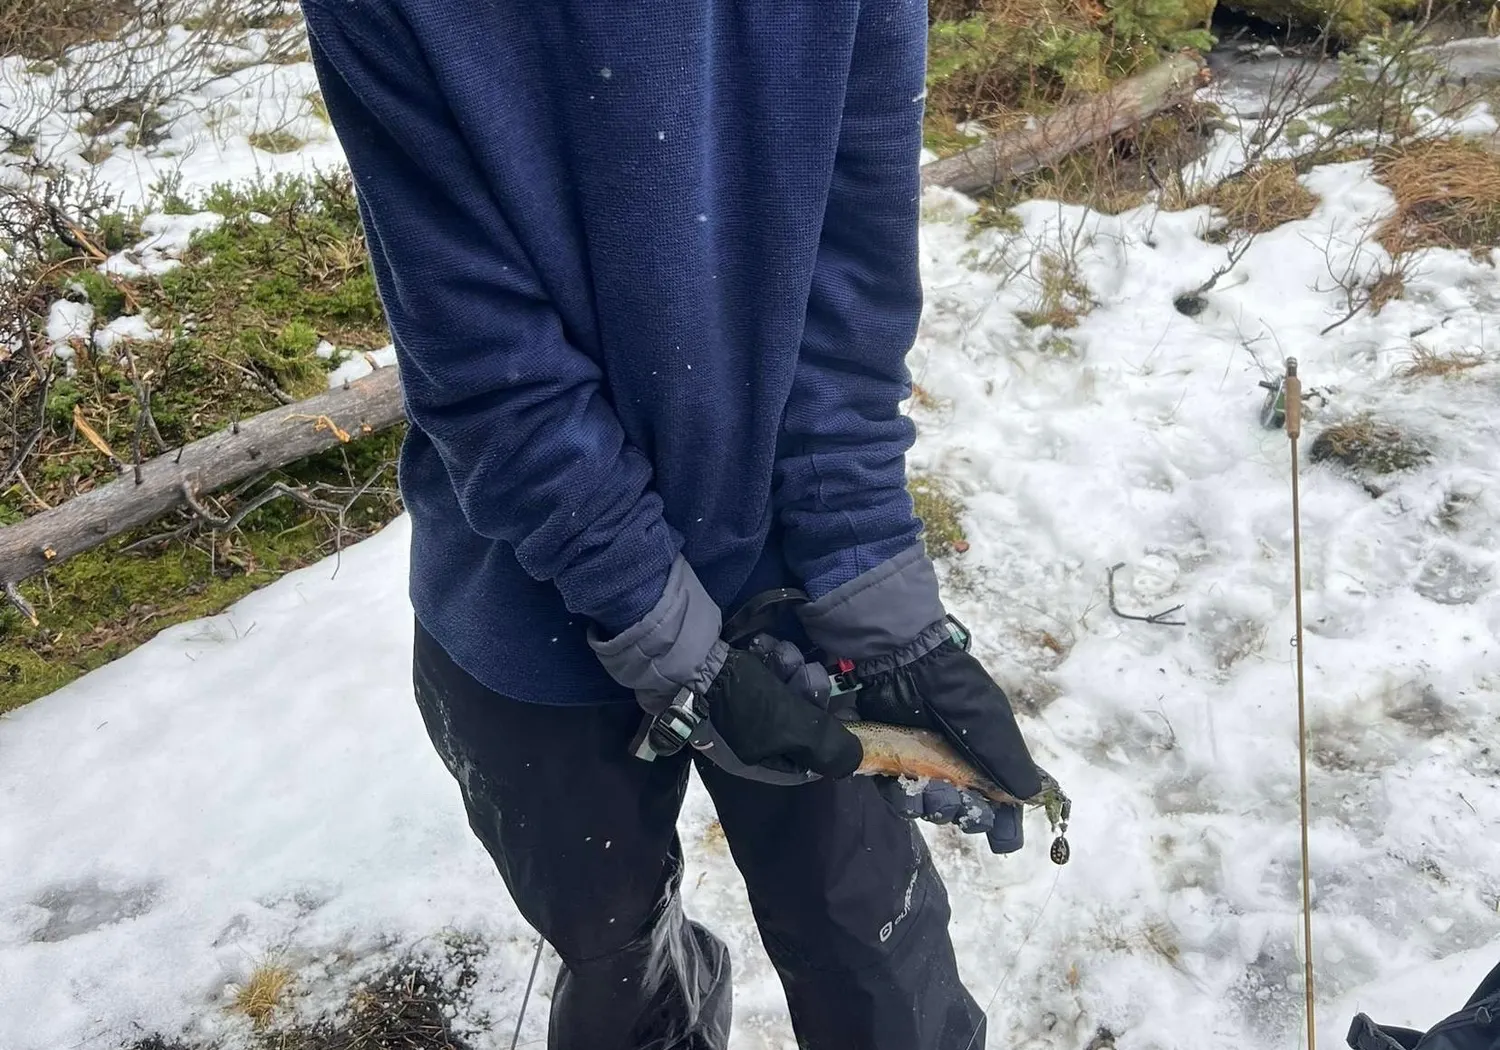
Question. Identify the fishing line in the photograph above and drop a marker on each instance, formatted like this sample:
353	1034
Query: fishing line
520	1017
1294	431
1035	922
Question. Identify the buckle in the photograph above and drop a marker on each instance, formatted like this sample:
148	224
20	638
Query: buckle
958	632
842	678
667	732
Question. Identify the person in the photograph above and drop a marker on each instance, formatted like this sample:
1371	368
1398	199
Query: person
651	273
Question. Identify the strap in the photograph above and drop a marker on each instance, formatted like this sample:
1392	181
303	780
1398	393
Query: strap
706	740
758	614
1365	1034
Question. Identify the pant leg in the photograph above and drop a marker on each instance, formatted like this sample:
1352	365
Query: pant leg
584	836
852	913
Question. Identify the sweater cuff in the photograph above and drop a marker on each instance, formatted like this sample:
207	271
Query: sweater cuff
676	644
880	611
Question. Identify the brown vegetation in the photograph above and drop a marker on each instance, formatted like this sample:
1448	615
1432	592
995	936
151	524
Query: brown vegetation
1447	196
1259	200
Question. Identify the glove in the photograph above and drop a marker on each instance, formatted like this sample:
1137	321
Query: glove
937	801
748	710
912	663
943	803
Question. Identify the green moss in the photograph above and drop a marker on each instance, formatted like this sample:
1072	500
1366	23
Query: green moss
166	194
941	513
106	298
297	339
266	292
116	231
988	60
243	316
98	606
60	401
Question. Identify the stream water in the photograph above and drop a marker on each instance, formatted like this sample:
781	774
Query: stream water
1253	61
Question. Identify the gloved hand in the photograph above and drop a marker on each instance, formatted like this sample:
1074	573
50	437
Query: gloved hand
936	801
912	663
942	803
747	708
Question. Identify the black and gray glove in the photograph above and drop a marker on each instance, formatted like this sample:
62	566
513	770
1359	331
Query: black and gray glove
912	663
674	658
935	801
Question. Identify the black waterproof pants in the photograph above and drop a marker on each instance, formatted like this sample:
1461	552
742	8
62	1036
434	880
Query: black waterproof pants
849	907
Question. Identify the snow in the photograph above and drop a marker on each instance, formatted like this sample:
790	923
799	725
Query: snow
258	784
166	238
358	365
129	328
67	321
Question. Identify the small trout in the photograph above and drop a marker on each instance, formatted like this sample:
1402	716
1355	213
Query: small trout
900	751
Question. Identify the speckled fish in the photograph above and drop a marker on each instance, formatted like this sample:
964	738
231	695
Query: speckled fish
900	751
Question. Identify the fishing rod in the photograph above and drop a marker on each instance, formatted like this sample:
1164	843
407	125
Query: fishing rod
1283	408
1294	432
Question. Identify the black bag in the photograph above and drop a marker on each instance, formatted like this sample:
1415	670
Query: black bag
1475	1027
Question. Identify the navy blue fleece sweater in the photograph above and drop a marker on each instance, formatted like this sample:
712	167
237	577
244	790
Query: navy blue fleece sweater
651	273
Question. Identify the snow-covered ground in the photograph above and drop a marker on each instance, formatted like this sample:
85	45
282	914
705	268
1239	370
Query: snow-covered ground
259	785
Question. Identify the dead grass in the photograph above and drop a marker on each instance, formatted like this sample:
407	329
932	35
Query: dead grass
1121	172
714	837
1062	296
1368	446
318	106
276	141
1263	198
1388	285
263	992
1050	650
1426	364
1118	936
405	1008
1447	196
41	30
925	398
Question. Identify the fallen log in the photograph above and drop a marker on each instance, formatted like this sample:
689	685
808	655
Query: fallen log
176	479
1070	128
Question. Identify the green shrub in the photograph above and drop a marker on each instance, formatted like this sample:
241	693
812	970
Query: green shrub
1002	56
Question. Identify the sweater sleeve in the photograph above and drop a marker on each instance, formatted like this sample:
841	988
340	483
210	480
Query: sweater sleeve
536	455
841	472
